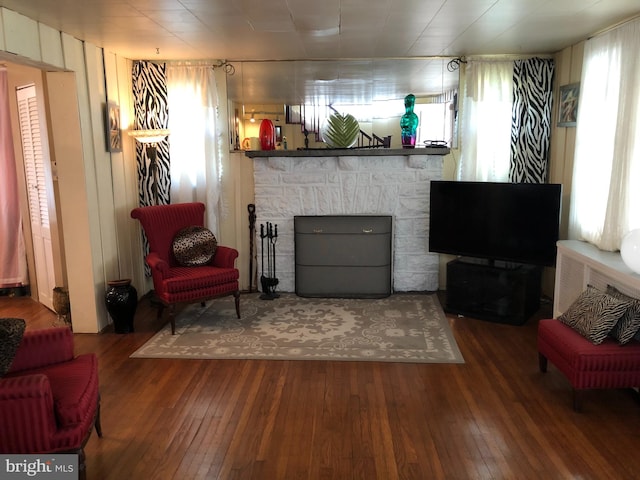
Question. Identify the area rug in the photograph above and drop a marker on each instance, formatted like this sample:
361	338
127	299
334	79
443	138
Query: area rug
400	328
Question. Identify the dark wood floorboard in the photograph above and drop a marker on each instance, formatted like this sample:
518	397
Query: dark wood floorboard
493	417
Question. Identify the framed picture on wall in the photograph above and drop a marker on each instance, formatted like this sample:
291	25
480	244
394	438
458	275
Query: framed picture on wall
568	109
114	133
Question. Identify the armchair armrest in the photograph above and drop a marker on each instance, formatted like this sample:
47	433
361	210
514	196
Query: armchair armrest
43	347
160	270
157	264
27	418
225	257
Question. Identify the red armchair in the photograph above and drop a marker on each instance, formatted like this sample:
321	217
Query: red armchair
173	283
49	400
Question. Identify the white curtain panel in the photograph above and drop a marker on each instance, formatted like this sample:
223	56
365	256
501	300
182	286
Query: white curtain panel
195	138
485	130
605	198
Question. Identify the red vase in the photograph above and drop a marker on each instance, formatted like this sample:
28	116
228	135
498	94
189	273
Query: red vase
267	135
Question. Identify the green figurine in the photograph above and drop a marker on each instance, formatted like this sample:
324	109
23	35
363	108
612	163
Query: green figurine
409	122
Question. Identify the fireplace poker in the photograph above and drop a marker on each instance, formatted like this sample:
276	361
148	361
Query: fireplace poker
252	231
274	239
268	229
262	236
269	254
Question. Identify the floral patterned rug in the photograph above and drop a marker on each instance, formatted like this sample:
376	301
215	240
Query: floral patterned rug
400	328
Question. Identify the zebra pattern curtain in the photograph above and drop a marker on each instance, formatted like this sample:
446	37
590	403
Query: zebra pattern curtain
151	112
531	120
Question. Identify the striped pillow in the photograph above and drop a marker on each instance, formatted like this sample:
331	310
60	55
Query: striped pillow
629	324
594	314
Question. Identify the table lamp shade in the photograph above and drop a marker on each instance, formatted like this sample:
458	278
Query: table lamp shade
630	250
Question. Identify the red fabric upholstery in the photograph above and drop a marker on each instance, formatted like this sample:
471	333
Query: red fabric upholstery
48	346
173	283
586	366
50	407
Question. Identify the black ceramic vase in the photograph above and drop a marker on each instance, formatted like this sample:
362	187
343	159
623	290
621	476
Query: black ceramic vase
121	300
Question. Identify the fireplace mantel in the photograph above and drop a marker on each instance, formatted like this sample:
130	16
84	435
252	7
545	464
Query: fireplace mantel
348	152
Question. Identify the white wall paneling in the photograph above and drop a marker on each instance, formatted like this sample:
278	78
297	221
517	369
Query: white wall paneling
580	264
51	46
21	35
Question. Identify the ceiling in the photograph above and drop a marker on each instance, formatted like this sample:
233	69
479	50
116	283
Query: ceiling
333	51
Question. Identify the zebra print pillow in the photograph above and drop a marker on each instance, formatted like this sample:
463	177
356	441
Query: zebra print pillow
594	314
629	324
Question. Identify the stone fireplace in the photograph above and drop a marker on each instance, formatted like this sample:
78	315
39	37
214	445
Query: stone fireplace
351	182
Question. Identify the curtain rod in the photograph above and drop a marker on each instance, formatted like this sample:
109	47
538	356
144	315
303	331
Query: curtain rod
346	59
508	56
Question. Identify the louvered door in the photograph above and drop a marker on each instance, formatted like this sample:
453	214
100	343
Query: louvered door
38	192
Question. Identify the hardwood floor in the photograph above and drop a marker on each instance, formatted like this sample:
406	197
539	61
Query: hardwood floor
494	417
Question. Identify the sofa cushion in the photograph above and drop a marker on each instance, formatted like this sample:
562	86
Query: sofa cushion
593	314
194	246
11	331
629	324
183	279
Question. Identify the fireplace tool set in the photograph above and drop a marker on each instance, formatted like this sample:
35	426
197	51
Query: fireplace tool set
269	236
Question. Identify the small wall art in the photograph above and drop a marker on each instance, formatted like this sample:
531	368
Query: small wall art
568	109
114	133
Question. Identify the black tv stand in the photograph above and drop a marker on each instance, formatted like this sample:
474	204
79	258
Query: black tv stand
500	292
489	262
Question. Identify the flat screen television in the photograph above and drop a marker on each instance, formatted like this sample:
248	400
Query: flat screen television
510	222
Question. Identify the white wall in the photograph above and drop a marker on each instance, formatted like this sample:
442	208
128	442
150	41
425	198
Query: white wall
92	207
98	193
97	189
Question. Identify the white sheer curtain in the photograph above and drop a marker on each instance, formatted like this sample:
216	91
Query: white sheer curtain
605	196
485	130
197	140
13	259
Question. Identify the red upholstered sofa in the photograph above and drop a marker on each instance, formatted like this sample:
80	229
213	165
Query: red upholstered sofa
587	366
49	399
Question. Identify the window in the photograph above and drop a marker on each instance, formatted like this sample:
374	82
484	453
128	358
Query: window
435	122
605	203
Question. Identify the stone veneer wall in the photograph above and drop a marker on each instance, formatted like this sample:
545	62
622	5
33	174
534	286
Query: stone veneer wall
395	185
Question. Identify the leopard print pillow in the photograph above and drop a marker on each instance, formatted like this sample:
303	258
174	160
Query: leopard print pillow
11	331
194	246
